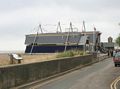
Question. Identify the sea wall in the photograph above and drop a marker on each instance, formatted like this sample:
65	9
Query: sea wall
15	75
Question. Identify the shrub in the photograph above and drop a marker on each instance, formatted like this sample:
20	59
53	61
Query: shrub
70	53
65	54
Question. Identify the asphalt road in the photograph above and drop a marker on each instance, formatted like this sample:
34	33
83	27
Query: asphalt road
118	85
97	76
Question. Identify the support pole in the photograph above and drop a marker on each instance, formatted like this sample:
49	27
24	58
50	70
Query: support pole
59	27
84	35
40	27
71	28
35	39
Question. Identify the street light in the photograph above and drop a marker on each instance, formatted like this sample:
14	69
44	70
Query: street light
119	36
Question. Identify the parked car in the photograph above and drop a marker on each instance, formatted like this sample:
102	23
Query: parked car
116	59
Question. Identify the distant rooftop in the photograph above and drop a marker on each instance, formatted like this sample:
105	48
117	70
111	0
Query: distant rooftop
90	32
61	38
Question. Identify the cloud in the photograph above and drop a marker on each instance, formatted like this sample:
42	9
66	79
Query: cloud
86	5
19	17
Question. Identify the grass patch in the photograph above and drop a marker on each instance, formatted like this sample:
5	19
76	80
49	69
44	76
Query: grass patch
70	53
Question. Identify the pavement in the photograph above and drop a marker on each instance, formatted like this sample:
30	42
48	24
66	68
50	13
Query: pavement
97	76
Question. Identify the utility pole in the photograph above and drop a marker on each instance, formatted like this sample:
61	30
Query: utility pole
119	36
94	39
84	37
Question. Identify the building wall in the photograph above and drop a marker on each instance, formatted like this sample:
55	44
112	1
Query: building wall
43	41
52	39
51	48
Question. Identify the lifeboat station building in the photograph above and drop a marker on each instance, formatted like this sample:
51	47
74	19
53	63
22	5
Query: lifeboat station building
62	41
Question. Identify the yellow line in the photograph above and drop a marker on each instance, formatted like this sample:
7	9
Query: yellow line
114	83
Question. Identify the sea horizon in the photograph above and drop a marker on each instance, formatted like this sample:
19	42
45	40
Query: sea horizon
11	51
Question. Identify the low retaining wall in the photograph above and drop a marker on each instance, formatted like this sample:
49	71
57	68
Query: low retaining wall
15	75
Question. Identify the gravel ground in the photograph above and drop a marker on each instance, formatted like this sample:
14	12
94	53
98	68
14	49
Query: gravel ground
27	58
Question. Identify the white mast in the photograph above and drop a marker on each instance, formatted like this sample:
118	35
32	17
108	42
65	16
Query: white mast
84	26
67	38
40	27
71	28
35	38
59	27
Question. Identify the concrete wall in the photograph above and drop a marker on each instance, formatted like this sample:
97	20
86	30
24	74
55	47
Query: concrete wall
15	75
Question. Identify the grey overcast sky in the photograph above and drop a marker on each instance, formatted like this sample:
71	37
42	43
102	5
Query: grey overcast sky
20	17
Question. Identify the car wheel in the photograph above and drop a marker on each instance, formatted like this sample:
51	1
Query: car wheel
115	65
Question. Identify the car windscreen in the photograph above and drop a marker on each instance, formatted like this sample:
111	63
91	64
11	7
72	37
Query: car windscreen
117	54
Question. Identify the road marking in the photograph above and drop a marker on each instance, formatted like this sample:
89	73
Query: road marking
114	83
47	82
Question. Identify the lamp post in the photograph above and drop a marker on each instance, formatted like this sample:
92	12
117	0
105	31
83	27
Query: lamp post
94	40
84	45
119	36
